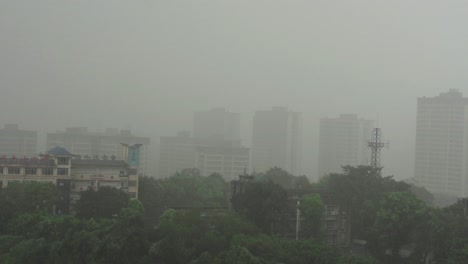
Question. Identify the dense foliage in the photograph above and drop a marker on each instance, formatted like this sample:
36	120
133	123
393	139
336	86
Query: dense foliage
185	189
184	219
105	202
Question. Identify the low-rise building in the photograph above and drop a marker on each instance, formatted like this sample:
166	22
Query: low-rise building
336	222
95	145
71	174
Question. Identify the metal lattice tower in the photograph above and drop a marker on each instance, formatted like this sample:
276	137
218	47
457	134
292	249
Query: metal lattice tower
376	145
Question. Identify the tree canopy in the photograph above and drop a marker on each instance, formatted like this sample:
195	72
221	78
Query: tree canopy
104	202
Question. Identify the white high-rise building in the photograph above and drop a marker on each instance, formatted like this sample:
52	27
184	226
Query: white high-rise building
343	141
17	142
216	123
442	144
79	141
277	140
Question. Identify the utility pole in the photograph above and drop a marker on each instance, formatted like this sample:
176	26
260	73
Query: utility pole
298	220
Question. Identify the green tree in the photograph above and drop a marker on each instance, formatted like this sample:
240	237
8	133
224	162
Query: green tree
263	203
284	179
312	209
185	189
152	194
357	190
19	197
127	240
105	202
401	218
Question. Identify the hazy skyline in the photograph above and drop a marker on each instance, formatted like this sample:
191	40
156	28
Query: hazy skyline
148	65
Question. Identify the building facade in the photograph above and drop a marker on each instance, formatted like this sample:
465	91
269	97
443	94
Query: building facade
17	142
441	150
343	141
228	158
79	141
70	174
216	123
277	140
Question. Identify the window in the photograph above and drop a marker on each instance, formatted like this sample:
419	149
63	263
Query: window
13	170
132	183
133	172
63	161
332	210
62	171
30	171
331	225
1	170
132	194
47	171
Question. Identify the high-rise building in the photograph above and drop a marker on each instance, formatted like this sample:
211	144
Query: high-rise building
79	141
343	141
226	157
441	151
17	142
216	123
277	140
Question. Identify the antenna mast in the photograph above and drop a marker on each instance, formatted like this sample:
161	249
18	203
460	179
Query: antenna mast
376	145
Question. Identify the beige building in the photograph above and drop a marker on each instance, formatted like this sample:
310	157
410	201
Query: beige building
70	174
225	157
277	140
442	144
216	123
79	141
17	142
343	141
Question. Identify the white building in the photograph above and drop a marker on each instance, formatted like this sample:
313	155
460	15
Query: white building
70	174
79	141
225	157
216	123
277	140
343	141
442	144
17	142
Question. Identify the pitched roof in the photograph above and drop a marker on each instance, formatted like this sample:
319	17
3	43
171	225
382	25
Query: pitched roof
59	151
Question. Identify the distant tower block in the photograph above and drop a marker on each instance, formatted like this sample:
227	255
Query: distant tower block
376	145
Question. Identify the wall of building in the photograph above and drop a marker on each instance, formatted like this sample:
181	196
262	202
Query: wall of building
441	143
343	141
17	142
94	145
277	140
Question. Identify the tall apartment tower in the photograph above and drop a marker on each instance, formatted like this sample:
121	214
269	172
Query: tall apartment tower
216	123
441	151
17	142
79	141
277	140
343	141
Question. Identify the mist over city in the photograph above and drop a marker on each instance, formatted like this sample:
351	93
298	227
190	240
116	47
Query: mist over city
147	100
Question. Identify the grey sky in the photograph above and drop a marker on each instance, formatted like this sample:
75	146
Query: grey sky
147	65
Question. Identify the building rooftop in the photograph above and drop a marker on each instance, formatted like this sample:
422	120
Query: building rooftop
59	151
4	161
100	163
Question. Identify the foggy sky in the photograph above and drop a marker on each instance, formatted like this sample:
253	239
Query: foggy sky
147	65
